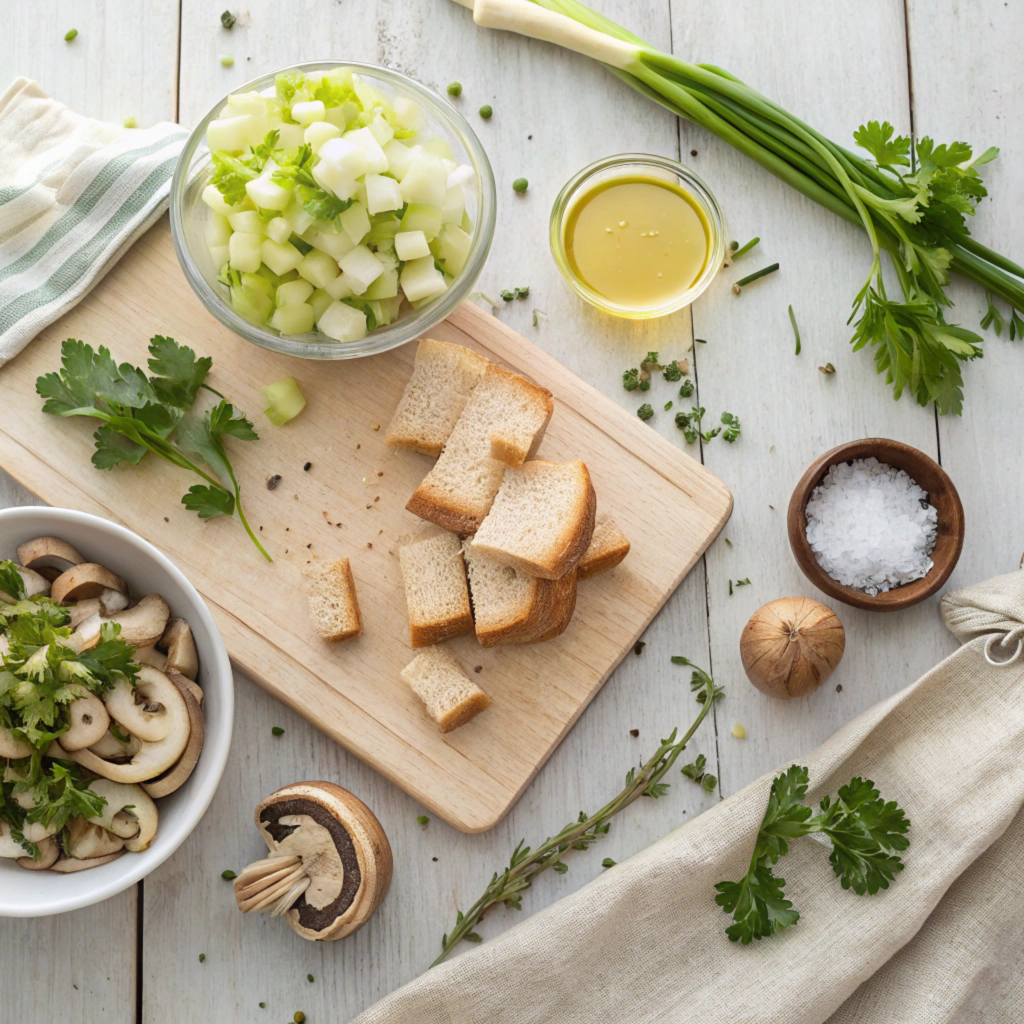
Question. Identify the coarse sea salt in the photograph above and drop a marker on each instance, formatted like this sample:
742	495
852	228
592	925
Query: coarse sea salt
870	526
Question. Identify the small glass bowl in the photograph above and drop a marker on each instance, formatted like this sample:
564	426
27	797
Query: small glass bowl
188	219
656	167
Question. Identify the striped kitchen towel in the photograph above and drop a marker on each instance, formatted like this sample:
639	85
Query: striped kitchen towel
75	193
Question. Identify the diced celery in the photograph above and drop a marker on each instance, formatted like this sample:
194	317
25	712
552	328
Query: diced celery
339	288
259	282
290	136
467	222
344	115
425	182
355	222
284	401
267	194
383	229
318	268
307	113
462	175
216	202
245	251
342	322
293	292
419	217
300	219
248	221
382	194
454	249
346	157
247	103
385	287
400	158
411	245
280	258
388	260
220	254
328	177
235	134
251	304
454	204
377	162
335	245
381	130
361	269
320	132
279	230
218	230
387	310
296	318
367	95
439	147
407	113
319	300
420	279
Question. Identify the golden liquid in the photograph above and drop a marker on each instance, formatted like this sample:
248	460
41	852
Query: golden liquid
637	241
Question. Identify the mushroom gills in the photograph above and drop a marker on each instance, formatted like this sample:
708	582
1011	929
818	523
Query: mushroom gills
271	884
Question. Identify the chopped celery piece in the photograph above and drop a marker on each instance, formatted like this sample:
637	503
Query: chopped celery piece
245	251
453	249
411	245
335	245
280	258
251	304
218	230
296	318
320	132
454	206
383	194
439	147
355	222
400	158
426	181
319	300
318	268
383	230
292	292
259	283
342	322
247	221
361	269
216	202
284	401
385	287
307	113
420	279
279	230
419	217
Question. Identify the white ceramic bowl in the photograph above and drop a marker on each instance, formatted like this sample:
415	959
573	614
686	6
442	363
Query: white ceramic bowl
37	893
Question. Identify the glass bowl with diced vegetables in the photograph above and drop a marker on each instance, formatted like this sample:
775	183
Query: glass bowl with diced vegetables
332	210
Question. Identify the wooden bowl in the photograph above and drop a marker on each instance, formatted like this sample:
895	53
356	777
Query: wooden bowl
941	493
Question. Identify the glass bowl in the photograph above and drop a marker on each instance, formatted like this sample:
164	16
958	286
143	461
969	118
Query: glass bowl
189	212
655	167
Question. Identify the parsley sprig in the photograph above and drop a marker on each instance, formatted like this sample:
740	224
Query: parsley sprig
866	833
526	863
139	414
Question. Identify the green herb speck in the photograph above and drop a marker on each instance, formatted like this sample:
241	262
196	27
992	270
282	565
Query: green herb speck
520	185
228	875
277	730
70	34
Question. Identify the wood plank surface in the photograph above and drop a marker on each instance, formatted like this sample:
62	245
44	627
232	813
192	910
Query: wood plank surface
821	61
342	493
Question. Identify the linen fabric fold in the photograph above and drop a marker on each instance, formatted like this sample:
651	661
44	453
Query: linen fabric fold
75	193
646	943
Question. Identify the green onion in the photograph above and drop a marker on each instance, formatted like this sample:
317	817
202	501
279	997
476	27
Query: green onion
227	19
70	34
454	88
485	111
422	819
745	249
796	330
129	122
756	276
520	185
284	401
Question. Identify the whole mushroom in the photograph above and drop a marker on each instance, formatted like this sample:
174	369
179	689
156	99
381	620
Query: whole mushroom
329	866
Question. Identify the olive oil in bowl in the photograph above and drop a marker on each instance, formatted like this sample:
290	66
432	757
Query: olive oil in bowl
637	236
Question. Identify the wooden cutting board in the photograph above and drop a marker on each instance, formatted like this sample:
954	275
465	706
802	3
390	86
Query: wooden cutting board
351	503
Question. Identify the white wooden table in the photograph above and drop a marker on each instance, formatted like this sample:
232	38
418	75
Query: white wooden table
949	68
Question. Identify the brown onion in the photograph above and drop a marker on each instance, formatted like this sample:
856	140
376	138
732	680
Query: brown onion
791	646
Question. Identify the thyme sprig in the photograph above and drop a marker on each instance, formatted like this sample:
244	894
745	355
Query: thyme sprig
526	863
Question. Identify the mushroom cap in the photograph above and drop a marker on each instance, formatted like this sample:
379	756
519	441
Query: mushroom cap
181	648
137	834
175	777
300	819
69	865
86	580
49	851
150	655
89	723
141	625
49	556
11	747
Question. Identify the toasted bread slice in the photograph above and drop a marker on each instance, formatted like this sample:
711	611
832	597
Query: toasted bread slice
608	547
542	519
436	590
443	378
510	607
450	696
333	607
457	493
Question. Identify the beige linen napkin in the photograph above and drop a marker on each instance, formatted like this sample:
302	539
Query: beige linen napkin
75	193
645	942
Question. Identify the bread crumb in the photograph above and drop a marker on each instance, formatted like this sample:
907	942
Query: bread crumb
634	732
376	426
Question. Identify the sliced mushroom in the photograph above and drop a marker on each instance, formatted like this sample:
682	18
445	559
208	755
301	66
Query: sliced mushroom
33	582
151	759
129	813
177	641
49	556
86	840
144	710
89	723
141	625
49	851
106	604
329	865
10	848
86	580
11	747
34	831
110	748
176	776
151	655
68	865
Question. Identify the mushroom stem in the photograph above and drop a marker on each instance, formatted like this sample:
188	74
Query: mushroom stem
272	881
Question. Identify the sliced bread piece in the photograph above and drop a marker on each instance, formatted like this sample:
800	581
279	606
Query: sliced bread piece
450	696
510	607
443	378
542	519
333	607
608	547
457	493
435	590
